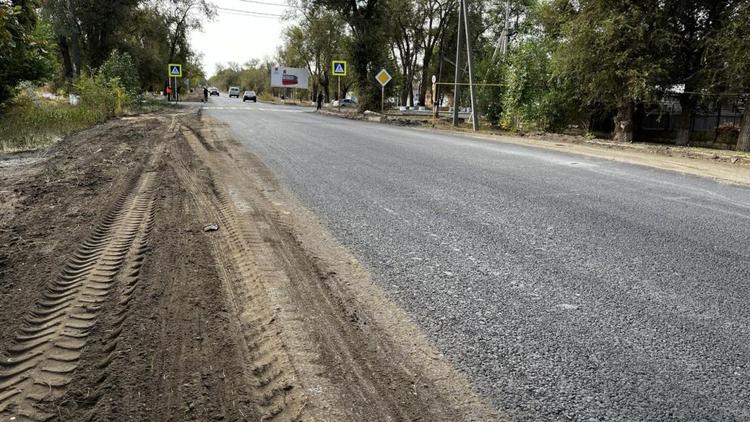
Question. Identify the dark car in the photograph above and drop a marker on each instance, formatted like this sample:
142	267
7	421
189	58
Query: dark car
249	96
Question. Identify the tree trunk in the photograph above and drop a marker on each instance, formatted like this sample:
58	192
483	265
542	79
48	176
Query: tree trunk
67	64
743	141
624	122
686	119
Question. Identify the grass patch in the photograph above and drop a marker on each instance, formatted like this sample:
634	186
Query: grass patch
29	124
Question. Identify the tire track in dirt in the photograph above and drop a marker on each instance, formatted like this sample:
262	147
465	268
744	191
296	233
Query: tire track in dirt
354	355
269	370
48	347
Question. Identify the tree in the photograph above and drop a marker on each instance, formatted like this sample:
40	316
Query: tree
24	50
408	29
437	19
612	52
121	66
729	51
691	24
368	47
317	40
183	16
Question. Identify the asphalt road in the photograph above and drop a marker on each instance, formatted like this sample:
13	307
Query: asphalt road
565	287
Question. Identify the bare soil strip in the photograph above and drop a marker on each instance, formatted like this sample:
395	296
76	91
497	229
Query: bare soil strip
151	318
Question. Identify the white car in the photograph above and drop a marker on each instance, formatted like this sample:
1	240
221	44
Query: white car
234	92
346	102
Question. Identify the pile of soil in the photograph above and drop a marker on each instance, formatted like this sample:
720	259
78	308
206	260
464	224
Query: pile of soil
156	270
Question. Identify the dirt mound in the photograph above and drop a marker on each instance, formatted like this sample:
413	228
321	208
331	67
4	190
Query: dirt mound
116	304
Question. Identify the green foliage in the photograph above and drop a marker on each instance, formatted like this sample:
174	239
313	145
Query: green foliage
121	66
729	51
526	103
24	47
104	97
30	123
368	47
491	97
611	51
253	75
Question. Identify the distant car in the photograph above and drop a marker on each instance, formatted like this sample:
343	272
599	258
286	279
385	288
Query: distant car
346	102
249	96
234	92
213	91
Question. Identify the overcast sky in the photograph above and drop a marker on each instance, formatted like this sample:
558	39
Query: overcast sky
239	37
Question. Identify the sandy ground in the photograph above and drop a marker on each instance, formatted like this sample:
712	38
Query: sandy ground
116	304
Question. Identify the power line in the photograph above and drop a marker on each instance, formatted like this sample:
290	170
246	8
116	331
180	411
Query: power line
249	13
267	3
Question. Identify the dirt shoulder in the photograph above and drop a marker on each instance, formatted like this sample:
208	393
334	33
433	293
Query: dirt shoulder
116	304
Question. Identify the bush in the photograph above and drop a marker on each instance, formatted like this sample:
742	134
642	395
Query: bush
29	123
122	67
104	96
265	96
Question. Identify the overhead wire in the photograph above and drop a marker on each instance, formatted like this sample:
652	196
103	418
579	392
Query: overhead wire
250	13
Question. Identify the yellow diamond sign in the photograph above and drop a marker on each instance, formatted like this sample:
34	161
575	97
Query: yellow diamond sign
383	77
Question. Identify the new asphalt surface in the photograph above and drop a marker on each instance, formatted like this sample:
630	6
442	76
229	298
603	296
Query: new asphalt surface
565	287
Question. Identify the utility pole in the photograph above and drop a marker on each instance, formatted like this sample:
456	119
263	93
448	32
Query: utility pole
472	87
458	63
506	29
502	43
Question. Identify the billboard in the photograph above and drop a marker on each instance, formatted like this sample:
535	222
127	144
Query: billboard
289	77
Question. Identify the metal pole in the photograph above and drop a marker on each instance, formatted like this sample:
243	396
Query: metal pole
506	29
338	93
382	99
458	63
472	88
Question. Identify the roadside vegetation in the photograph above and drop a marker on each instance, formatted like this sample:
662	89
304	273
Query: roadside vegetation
672	71
63	67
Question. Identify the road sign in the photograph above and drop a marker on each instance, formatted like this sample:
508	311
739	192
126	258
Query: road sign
383	77
339	68
175	70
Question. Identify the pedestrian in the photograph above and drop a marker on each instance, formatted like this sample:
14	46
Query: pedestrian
205	94
320	100
169	93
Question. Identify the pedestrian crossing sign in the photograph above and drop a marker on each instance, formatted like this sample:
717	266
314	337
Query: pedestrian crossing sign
339	68
175	70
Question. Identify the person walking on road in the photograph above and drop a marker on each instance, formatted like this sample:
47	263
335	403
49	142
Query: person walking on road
320	100
205	94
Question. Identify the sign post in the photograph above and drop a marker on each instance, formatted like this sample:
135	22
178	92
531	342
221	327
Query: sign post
339	69
175	71
435	102
383	77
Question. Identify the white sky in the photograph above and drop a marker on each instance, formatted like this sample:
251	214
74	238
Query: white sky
239	37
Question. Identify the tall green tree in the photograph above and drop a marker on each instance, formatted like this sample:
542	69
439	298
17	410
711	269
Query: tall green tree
612	51
24	50
318	38
691	26
368	48
729	52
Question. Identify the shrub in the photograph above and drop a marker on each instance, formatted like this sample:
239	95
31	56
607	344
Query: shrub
122	67
34	123
107	97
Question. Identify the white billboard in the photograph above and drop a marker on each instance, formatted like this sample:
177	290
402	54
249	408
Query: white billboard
289	77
